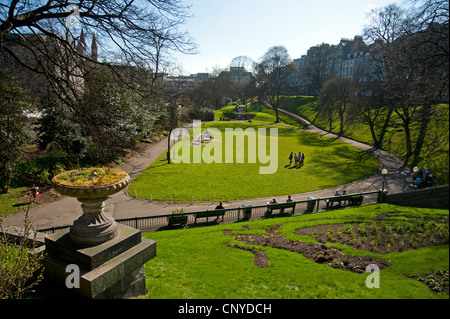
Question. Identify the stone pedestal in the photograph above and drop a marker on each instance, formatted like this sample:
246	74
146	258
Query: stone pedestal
94	226
109	270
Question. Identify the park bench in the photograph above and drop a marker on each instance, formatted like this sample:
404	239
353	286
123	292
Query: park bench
355	200
281	207
330	202
213	213
345	200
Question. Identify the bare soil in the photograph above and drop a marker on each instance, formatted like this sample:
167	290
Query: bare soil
46	195
437	281
260	257
382	235
319	253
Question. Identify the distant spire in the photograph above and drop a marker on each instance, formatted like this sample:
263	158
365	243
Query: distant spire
68	37
94	48
82	44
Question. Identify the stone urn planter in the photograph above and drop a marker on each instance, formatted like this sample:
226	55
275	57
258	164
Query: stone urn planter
92	187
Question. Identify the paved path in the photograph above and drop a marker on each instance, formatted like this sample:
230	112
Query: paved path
64	211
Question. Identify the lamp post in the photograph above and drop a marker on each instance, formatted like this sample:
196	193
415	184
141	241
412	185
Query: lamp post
384	173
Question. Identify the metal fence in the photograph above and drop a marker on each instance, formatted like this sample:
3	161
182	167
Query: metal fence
237	214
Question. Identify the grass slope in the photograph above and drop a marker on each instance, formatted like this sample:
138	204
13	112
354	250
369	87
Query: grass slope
14	201
435	149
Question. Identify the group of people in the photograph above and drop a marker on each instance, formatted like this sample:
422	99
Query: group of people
298	158
422	178
274	201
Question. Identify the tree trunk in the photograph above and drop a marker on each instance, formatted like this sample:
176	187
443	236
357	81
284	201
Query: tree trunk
426	118
384	129
6	179
341	125
408	140
275	107
374	135
406	119
168	148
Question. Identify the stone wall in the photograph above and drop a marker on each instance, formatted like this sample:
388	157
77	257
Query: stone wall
433	197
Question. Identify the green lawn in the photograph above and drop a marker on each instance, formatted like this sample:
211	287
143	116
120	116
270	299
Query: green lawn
15	200
263	115
195	263
328	163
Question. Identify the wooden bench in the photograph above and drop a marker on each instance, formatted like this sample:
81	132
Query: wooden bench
345	200
330	202
281	207
212	213
355	200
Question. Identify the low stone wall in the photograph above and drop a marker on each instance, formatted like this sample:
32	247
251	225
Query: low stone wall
433	197
16	234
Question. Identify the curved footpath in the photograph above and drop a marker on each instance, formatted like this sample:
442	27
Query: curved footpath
65	210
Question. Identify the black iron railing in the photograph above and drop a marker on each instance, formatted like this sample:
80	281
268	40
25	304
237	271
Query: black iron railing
246	212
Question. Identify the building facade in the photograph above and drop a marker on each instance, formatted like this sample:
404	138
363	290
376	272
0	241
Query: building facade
349	59
41	62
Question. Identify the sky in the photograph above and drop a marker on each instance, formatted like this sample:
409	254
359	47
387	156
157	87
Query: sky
224	30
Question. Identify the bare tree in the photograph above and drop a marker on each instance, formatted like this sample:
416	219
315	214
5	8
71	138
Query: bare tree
335	97
135	39
242	77
387	29
367	106
212	92
431	12
272	72
130	33
244	63
171	113
412	60
320	67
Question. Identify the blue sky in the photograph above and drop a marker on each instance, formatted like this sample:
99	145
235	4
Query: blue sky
227	29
